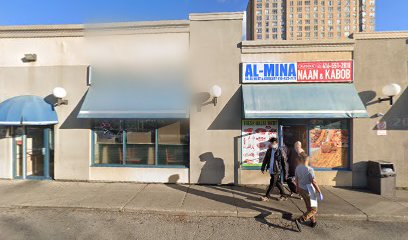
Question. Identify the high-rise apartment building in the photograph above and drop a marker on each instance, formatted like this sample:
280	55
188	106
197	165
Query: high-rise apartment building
308	19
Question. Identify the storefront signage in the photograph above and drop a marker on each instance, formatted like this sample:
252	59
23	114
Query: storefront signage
255	136
329	71
381	128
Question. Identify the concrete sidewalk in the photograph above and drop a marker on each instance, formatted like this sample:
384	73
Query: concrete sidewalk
232	201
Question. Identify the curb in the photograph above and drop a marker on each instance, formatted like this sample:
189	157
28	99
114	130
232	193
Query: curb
200	213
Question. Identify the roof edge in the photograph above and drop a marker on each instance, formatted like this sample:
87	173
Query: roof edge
216	16
380	35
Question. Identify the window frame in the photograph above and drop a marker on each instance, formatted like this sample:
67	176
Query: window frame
309	125
124	151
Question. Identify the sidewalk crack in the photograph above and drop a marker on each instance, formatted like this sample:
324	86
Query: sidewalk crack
348	202
235	201
122	209
184	197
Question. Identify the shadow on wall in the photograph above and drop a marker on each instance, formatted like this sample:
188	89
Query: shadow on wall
397	116
174	178
230	116
213	170
367	97
73	122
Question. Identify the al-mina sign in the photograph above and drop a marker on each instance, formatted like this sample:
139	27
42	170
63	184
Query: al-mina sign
267	72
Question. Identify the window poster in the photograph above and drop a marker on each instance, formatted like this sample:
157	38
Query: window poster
255	136
329	147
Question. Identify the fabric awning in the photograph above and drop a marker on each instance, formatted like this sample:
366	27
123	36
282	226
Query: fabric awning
135	99
302	101
27	110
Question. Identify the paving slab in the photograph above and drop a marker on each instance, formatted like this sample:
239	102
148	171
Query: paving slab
109	196
333	206
376	207
209	201
158	198
249	205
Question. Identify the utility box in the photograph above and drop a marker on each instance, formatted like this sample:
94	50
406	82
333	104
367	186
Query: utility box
382	178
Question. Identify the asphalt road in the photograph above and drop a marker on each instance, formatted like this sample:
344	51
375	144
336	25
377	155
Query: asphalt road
70	224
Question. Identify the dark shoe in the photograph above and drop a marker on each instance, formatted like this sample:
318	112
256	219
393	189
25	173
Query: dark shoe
297	222
313	224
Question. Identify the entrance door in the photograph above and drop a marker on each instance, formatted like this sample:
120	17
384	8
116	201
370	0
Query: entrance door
289	135
294	133
32	151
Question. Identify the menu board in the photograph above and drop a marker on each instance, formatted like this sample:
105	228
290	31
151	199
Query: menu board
255	136
329	147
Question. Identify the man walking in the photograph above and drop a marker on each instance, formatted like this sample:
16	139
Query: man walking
275	162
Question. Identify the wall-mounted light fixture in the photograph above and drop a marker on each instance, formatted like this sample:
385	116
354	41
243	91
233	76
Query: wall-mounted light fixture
390	90
216	92
30	57
59	93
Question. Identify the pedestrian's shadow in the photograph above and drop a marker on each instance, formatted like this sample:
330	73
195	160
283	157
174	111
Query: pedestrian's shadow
264	211
213	171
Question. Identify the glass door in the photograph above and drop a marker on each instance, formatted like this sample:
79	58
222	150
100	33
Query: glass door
32	153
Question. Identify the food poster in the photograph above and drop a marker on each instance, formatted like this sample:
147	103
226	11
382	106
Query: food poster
255	136
329	147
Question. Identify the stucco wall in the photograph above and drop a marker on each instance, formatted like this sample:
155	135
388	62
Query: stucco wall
71	136
215	57
63	54
152	175
379	62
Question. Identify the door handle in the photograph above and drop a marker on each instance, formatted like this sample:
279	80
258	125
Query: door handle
43	150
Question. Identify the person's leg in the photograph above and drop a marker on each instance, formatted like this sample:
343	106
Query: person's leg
311	211
280	186
306	199
270	188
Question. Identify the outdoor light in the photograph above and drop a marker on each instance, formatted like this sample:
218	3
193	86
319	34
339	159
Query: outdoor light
216	92
30	57
59	93
390	90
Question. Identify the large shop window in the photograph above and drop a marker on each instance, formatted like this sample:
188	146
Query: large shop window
326	141
141	142
329	143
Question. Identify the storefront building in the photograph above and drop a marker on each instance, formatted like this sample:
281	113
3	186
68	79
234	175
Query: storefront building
160	122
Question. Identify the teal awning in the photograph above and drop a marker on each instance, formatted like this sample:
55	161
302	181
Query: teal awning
135	99
324	100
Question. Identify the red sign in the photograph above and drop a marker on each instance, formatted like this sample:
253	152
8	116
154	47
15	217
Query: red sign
339	71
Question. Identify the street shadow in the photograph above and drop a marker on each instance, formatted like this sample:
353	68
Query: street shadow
73	122
239	202
213	170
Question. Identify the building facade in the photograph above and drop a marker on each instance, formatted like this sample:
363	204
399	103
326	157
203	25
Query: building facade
163	125
308	19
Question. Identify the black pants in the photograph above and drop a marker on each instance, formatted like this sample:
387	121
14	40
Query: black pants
275	180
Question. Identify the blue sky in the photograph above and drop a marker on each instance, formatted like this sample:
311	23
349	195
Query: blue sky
23	12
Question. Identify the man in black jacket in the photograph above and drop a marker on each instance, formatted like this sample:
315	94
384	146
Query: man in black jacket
275	162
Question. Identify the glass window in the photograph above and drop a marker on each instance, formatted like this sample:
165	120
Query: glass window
329	143
108	142
173	142
141	142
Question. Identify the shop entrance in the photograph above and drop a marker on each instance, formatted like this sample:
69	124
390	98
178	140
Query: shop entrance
33	152
289	135
292	134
